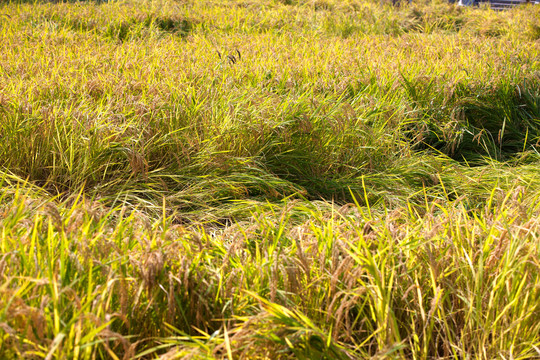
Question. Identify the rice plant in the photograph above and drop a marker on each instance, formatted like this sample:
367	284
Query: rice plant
264	179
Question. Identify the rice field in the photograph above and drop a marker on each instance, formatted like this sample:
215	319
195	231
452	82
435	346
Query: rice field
269	179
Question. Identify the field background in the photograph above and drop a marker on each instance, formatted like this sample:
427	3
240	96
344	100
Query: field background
263	179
